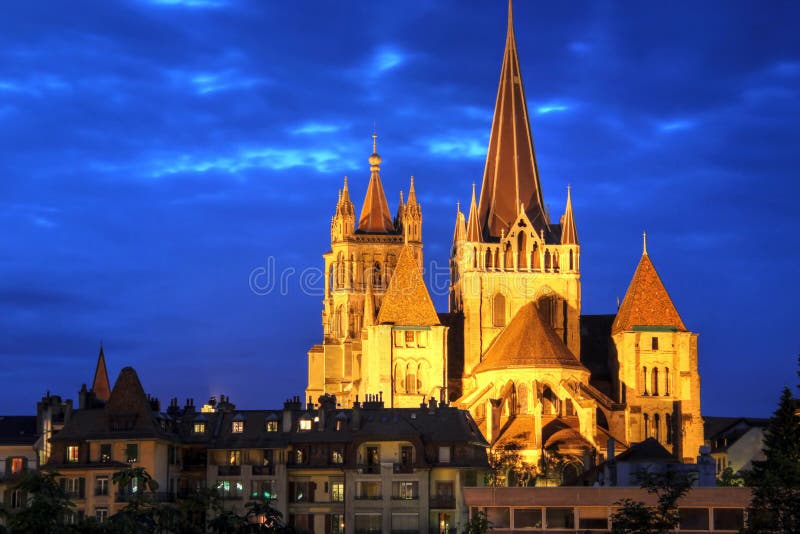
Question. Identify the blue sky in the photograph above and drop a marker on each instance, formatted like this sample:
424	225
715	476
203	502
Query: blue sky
156	152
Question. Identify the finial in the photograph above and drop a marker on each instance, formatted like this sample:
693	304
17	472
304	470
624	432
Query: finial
644	243
345	181
458	206
401	197
374	159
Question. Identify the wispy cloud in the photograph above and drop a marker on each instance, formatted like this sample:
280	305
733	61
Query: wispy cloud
36	85
209	82
271	158
457	148
544	109
676	125
388	58
311	128
196	4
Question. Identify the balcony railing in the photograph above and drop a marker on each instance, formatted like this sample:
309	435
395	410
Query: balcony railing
261	470
369	497
405	498
229	470
443	501
370	469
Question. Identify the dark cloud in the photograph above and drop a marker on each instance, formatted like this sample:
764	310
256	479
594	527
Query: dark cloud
156	152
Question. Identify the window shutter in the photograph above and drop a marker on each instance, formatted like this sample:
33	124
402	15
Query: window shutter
82	487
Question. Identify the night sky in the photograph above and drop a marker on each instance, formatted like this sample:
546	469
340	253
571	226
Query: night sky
155	153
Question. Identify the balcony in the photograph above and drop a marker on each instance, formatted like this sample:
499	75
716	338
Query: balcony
194	467
159	496
365	497
443	501
229	470
403	468
370	469
264	470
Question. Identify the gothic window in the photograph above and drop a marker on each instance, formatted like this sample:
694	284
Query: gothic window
571	261
509	258
411	379
499	310
546	260
338	327
522	398
666	380
535	261
522	250
488	259
657	427
646	426
668	421
655	380
654	343
555	261
474	258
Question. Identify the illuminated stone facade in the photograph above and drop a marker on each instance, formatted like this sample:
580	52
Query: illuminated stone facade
514	348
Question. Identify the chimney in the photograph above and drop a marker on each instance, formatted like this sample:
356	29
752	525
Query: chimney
356	422
83	398
288	416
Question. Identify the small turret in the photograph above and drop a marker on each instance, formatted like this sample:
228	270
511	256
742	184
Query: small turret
569	233
343	222
460	231
412	216
473	225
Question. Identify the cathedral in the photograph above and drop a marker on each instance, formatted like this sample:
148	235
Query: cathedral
514	348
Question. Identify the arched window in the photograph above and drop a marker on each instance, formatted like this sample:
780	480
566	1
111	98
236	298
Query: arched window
536	262
499	310
488	259
657	427
655	380
646	426
644	380
509	258
376	275
522	399
546	260
474	258
571	261
666	380
555	261
522	250
338	327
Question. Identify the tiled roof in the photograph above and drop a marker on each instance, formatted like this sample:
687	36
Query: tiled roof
407	301
527	341
649	450
647	302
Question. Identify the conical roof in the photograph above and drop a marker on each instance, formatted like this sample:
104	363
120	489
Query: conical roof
527	341
100	384
407	301
647	302
375	217
511	175
473	224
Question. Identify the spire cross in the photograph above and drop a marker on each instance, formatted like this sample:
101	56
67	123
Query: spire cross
374	143
644	243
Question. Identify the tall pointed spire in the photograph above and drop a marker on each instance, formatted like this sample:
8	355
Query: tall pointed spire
100	384
511	175
375	217
569	233
473	224
412	194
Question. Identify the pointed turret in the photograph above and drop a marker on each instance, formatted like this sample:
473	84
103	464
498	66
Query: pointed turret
100	385
412	216
647	303
407	301
412	194
398	219
569	233
375	217
343	222
460	232
473	224
511	175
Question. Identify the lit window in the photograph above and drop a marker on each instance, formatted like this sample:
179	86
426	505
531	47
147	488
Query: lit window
199	428
337	457
305	424
299	456
405	490
272	426
132	453
17	465
237	427
337	491
105	452
72	453
444	455
229	489
234	457
264	489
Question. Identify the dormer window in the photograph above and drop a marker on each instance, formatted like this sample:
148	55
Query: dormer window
272	426
237	427
72	454
199	427
305	424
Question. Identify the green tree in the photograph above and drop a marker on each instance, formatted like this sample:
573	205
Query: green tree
730	479
141	514
635	517
478	524
47	506
775	507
